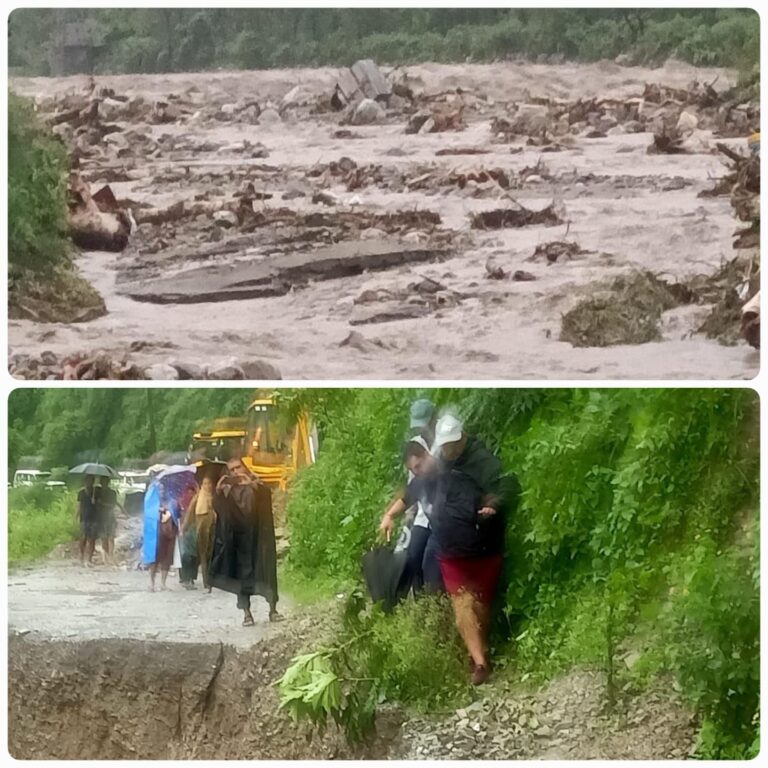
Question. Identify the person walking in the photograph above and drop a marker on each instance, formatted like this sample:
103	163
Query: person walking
201	516
244	560
88	517
468	524
107	504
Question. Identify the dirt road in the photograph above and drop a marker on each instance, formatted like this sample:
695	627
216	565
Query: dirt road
61	600
101	669
626	209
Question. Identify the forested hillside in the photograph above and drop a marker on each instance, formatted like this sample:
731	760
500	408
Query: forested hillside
177	39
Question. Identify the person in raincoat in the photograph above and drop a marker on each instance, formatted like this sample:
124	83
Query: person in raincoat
166	539
197	530
244	560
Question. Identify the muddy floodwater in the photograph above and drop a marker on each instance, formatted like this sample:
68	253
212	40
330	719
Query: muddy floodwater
208	289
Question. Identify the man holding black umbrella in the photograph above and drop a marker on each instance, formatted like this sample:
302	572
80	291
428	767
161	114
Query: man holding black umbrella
88	515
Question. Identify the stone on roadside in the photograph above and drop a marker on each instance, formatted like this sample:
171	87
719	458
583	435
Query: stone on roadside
367	112
261	370
225	371
161	372
188	371
225	218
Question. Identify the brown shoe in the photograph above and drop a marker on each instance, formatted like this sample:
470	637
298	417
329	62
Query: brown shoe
480	674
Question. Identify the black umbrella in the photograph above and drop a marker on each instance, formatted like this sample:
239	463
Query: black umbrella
97	470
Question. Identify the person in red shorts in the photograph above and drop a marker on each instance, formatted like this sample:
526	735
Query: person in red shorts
468	525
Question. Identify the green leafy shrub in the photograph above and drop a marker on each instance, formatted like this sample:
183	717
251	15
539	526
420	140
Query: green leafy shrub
714	643
617	487
37	203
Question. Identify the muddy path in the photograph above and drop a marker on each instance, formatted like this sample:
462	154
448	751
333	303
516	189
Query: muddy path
315	183
100	668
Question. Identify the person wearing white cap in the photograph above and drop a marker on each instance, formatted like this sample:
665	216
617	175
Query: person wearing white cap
468	525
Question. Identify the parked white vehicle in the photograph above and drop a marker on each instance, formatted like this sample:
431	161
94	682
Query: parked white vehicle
28	477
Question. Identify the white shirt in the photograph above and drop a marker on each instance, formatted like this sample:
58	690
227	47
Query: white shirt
422	511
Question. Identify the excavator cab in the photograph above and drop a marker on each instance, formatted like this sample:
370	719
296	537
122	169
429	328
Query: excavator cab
273	451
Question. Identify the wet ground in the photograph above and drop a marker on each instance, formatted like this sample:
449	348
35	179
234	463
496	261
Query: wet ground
62	600
626	209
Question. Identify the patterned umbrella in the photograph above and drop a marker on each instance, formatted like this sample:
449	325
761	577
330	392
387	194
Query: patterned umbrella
173	488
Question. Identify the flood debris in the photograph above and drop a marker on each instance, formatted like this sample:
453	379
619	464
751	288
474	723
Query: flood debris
417	299
96	222
439	119
515	217
494	271
556	250
356	340
396	222
456	151
750	321
629	312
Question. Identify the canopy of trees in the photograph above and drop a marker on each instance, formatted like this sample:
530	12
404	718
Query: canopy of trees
67	426
178	39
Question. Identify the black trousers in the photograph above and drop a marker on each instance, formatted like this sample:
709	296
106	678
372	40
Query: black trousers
422	565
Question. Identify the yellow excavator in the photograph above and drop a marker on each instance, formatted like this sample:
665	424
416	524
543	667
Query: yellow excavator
223	440
270	448
275	451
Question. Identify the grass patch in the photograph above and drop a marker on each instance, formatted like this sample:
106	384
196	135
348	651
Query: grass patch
38	520
306	590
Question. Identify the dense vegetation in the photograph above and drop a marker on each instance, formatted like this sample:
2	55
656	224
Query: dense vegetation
67	426
178	39
38	520
636	534
42	279
37	202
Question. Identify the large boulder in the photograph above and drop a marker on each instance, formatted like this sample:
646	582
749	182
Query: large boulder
367	112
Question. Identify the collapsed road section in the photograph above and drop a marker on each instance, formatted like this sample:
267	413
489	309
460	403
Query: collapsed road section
278	275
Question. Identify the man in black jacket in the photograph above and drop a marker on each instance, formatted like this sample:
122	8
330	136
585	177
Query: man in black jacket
468	524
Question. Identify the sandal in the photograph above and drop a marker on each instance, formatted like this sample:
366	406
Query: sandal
248	620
